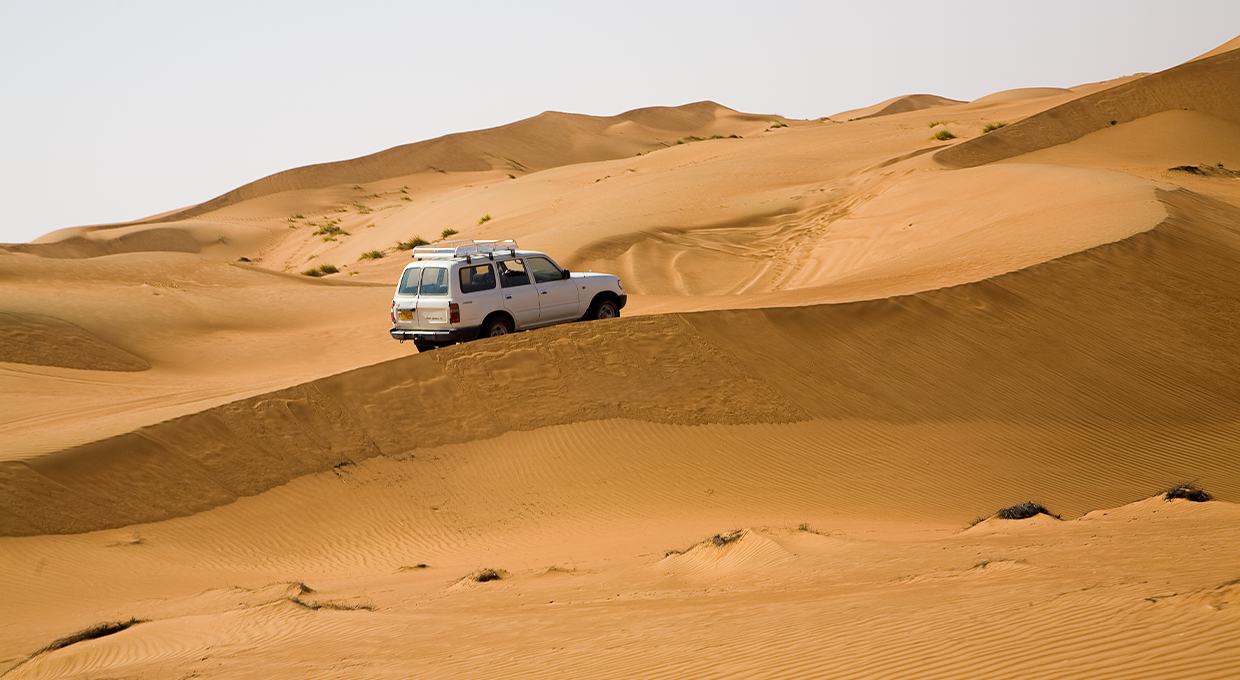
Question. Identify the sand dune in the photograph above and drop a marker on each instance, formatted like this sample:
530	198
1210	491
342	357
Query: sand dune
1228	46
1206	85
548	140
1021	93
792	602
182	321
903	104
927	231
1008	350
848	346
48	341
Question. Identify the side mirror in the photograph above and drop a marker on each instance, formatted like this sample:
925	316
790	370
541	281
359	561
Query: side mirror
567	274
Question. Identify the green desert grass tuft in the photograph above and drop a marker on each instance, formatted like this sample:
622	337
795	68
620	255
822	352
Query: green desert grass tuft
412	243
991	127
372	255
944	135
321	270
448	232
329	230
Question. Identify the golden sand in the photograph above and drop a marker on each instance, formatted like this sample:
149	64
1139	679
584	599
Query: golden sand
848	345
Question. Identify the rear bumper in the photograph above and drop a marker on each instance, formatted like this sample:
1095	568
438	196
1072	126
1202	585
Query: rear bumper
445	336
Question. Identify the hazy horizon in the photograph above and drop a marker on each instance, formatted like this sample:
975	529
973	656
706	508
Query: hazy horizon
120	112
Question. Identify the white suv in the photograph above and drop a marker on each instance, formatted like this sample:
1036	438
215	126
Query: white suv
462	290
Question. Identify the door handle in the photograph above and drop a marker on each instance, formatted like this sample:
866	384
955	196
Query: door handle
507	297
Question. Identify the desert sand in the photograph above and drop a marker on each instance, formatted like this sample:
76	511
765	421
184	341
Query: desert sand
850	343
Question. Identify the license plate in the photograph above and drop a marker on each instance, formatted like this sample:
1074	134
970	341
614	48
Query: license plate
405	315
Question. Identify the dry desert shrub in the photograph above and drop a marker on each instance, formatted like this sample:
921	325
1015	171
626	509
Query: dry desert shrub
94	632
1025	511
484	575
1188	492
718	540
334	606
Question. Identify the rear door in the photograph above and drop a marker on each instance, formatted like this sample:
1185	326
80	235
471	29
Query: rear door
478	292
432	313
520	298
405	302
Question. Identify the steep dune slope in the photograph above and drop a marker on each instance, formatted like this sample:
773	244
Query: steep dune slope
1140	333
1208	85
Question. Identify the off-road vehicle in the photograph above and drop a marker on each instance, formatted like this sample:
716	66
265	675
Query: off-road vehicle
462	290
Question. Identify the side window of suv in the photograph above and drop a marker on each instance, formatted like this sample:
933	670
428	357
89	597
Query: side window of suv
544	271
512	273
474	279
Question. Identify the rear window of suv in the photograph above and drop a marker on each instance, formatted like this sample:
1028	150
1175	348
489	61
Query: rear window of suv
424	281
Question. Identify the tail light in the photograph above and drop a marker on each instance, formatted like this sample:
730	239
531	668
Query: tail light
454	312
392	312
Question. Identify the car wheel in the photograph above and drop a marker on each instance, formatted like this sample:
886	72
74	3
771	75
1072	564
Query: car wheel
495	327
605	309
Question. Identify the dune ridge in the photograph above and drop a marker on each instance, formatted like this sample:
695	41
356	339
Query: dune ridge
1206	84
79	246
1015	348
901	104
547	140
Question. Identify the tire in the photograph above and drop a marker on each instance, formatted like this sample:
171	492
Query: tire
605	308
494	327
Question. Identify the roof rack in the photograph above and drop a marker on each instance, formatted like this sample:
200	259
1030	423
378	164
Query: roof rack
451	250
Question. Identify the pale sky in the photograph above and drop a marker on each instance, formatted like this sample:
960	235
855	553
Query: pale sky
113	110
